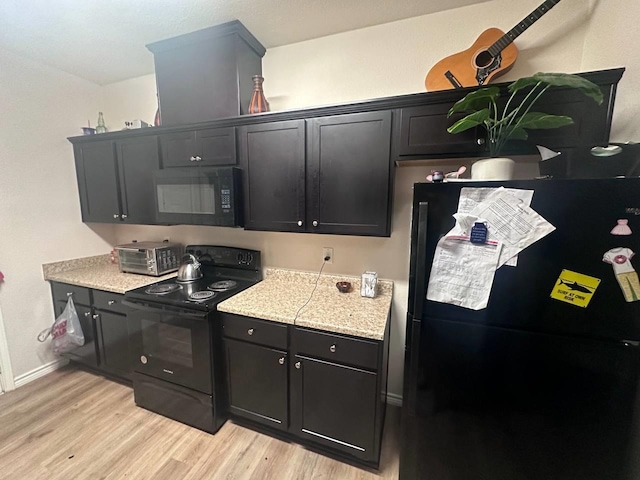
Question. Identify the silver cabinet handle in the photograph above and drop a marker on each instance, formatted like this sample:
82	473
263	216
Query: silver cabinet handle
315	223
124	215
298	364
95	316
299	223
87	314
480	141
192	159
332	349
281	360
198	159
111	302
250	331
69	294
115	215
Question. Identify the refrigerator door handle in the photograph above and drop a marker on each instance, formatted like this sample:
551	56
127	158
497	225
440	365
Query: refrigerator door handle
421	259
630	343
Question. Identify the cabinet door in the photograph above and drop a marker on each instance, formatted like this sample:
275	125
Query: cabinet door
257	382
87	353
98	181
423	133
114	344
179	149
137	160
334	405
217	146
349	174
272	157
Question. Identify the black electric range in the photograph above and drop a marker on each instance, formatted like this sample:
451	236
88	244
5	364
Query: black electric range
176	337
226	271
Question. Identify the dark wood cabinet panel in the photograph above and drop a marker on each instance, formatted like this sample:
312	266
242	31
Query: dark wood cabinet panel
261	332
337	348
257	383
62	291
423	131
137	159
217	146
272	156
98	181
349	174
178	149
114	343
335	406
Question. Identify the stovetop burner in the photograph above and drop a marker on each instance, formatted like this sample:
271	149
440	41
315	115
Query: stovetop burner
222	285
202	295
162	289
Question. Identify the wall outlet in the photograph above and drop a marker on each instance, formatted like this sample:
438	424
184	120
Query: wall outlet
327	252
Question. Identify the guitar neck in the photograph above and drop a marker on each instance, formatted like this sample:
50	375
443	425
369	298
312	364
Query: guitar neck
515	32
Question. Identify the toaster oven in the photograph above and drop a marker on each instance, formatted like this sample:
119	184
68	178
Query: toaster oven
149	258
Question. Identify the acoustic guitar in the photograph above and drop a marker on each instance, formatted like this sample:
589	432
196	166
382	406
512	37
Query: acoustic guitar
492	54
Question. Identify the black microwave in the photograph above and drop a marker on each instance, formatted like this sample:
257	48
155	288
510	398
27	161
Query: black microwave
199	196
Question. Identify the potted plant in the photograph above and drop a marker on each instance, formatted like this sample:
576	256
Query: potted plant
513	121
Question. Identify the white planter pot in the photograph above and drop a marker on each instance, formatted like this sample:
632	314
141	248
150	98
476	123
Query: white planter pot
497	168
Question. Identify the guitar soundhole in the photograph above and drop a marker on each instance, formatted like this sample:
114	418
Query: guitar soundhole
483	59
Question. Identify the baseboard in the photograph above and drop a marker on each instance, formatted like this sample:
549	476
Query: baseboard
39	372
394	400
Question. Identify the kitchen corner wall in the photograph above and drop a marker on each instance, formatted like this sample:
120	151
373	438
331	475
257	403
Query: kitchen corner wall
39	207
392	59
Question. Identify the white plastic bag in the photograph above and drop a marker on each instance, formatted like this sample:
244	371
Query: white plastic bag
65	331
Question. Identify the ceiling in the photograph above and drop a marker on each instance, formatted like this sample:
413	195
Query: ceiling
104	41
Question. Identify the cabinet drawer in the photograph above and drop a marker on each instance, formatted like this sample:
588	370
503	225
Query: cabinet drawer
338	348
81	295
253	330
109	301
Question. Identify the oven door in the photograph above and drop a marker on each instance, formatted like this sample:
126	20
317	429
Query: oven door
173	345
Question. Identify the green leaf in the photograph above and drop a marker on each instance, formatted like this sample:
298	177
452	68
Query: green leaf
470	121
567	80
517	134
475	100
539	120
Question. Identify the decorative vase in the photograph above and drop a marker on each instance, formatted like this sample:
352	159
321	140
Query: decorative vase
495	168
258	102
156	120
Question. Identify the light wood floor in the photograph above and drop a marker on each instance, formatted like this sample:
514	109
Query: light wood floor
75	425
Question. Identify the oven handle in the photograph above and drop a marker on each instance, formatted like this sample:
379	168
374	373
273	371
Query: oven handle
146	308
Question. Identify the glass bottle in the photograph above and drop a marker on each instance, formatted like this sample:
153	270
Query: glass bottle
258	103
100	128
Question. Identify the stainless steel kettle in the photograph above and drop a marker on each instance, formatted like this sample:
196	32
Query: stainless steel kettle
189	271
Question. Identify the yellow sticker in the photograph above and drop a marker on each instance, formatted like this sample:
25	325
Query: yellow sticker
575	288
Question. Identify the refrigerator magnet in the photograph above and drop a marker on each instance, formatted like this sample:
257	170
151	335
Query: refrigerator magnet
621	228
575	288
620	259
479	233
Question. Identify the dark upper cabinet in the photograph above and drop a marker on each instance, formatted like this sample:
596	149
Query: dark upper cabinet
349	174
423	131
336	179
98	182
137	159
272	156
335	406
209	147
257	383
114	343
115	179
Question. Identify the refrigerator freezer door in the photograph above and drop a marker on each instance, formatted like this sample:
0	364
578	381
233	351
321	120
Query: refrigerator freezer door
490	403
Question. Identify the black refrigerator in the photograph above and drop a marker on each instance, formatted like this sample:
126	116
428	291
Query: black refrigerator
530	387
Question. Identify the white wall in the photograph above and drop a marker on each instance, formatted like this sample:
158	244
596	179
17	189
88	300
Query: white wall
39	208
393	59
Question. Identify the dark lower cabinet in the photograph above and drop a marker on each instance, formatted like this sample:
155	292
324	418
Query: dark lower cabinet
257	383
335	406
106	333
114	343
324	390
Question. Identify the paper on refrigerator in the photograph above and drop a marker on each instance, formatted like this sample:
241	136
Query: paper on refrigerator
471	197
509	219
462	272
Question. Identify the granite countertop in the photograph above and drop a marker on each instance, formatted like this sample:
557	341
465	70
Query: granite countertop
283	293
99	273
